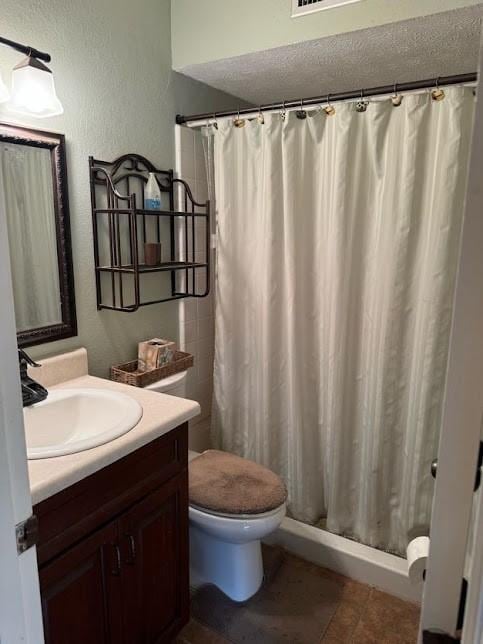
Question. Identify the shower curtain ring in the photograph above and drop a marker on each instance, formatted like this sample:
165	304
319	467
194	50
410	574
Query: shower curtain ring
238	122
361	105
260	117
215	121
283	111
396	98
301	113
437	94
329	109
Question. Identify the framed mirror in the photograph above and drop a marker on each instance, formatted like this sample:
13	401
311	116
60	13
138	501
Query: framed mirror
33	188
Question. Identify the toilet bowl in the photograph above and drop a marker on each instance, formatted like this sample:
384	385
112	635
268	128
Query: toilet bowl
225	550
225	546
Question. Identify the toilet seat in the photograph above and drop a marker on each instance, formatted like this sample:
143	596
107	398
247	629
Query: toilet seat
239	517
235	529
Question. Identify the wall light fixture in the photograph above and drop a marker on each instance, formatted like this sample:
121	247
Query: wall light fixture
33	89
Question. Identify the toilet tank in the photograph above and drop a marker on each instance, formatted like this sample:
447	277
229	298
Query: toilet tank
199	435
173	385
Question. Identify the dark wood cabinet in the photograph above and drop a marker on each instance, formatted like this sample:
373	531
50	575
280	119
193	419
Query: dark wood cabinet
81	592
117	572
154	573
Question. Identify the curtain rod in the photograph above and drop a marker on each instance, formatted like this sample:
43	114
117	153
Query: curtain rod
340	96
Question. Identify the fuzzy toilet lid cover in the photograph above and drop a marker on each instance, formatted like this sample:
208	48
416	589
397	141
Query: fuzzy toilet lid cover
228	484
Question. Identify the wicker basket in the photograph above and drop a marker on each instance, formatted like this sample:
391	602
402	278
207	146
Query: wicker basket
128	372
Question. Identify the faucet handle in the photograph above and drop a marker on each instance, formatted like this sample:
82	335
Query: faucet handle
22	355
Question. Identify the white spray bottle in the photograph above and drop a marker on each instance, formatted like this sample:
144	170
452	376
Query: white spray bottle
152	194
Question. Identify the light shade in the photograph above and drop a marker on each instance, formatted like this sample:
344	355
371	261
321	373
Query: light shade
33	90
4	93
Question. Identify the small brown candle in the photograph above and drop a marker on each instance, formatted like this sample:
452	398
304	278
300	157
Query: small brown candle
152	253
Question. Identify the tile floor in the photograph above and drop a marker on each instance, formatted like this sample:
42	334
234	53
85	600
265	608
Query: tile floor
300	603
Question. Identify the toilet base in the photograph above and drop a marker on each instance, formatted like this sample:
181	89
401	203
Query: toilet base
235	568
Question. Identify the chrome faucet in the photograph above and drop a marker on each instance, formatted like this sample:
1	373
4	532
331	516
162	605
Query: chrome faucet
32	392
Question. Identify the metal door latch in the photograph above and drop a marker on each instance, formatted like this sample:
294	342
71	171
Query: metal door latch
430	637
27	533
479	465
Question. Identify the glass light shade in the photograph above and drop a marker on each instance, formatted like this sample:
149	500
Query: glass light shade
4	93
33	90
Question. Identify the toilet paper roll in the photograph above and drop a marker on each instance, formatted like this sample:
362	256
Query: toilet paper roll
417	555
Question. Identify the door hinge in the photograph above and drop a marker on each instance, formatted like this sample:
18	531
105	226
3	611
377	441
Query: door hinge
478	467
462	607
27	534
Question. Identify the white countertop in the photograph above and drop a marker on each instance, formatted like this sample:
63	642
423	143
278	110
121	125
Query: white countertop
161	413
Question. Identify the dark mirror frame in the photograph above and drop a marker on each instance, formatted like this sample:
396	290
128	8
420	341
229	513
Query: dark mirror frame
56	144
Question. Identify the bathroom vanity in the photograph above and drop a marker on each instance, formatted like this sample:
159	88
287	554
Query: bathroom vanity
112	541
113	550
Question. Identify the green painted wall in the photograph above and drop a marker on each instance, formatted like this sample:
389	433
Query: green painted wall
112	65
210	30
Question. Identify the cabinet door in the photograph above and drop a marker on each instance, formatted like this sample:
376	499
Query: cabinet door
81	592
155	577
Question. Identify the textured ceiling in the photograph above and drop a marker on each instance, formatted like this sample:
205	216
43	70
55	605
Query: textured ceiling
438	45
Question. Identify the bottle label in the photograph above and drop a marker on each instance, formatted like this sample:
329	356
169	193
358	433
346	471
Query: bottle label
152	204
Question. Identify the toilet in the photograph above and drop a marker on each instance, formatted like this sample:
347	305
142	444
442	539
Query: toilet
173	385
234	504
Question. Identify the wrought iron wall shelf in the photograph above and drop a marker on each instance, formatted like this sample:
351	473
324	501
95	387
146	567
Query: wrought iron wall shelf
124	281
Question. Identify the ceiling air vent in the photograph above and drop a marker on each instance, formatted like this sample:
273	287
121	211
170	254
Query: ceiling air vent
302	7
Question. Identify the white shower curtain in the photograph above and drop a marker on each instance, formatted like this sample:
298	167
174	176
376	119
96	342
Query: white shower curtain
337	249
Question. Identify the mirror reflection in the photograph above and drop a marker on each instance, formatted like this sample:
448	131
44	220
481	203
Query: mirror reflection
26	174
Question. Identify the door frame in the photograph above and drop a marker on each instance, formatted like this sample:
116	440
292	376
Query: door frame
462	411
20	606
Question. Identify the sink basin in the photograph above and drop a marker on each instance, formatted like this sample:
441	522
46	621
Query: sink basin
73	420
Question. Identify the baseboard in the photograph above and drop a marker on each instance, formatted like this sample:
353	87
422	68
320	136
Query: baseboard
357	561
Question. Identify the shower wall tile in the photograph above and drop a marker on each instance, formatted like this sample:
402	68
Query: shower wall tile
197	315
199	161
206	348
205	306
205	328
192	379
190	330
190	309
205	368
191	347
200	281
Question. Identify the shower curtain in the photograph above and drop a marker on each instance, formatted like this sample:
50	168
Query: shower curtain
337	249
